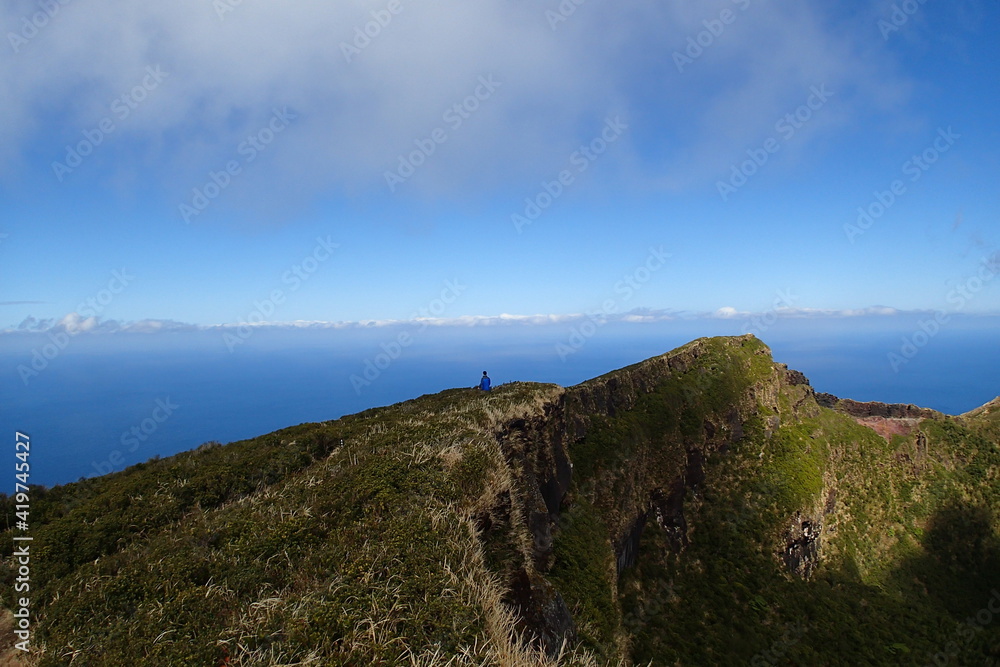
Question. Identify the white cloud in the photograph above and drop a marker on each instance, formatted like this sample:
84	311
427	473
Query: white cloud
871	311
727	312
354	119
74	323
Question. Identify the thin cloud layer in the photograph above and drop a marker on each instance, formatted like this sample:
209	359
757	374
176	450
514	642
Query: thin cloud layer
74	323
358	101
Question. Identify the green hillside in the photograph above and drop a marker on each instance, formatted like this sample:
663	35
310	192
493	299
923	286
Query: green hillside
698	508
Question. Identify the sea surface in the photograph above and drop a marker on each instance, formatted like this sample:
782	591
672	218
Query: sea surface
109	401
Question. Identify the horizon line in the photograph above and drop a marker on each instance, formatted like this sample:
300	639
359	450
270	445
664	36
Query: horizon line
73	323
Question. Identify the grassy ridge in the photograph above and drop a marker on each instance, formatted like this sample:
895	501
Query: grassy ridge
392	536
289	547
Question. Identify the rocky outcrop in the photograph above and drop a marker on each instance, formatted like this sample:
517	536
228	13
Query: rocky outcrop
802	542
886	419
536	451
542	612
669	512
794	377
627	550
860	409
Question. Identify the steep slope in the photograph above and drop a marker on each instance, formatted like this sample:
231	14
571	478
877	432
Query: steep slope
815	540
700	507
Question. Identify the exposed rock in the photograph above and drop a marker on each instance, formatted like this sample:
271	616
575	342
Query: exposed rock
831	501
537	450
921	446
211	444
669	511
795	378
543	612
627	550
771	425
889	426
735	423
694	474
826	400
875	408
801	553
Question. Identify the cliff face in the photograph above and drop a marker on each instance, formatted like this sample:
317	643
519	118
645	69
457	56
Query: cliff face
705	506
876	409
626	451
713	468
628	458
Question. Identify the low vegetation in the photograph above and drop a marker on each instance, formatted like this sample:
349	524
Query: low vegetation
392	536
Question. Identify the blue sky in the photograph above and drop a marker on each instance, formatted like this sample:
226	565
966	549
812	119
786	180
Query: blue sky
291	121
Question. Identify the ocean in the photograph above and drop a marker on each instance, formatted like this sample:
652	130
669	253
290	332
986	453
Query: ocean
108	401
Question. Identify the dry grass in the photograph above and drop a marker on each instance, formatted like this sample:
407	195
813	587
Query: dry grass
457	436
470	578
9	655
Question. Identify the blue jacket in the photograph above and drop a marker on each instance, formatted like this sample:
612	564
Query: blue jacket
484	384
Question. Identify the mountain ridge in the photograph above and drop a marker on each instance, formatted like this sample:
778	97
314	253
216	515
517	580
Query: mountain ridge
539	524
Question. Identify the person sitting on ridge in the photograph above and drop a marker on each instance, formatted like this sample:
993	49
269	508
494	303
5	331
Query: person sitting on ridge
484	384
